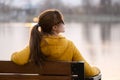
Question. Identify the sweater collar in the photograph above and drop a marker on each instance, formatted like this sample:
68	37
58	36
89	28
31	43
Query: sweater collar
52	36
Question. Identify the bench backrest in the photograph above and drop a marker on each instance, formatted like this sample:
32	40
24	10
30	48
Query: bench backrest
48	71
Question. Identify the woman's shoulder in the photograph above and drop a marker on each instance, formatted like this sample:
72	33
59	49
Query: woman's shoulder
60	38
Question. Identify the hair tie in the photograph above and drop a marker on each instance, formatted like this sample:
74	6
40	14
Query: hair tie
37	25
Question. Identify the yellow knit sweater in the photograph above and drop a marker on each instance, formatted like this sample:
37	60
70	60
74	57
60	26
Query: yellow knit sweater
58	49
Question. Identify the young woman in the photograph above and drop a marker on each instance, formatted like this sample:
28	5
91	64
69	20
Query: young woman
47	44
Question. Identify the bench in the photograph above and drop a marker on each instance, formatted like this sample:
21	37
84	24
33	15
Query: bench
48	71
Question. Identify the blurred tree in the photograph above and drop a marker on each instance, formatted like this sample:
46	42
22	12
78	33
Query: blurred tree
52	4
116	9
105	6
87	5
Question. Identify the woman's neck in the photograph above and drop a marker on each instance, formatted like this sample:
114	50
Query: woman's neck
52	34
55	33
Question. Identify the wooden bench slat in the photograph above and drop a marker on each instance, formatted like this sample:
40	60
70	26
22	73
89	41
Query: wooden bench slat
33	77
48	68
57	68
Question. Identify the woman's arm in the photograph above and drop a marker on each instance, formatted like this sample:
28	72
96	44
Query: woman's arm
89	70
21	57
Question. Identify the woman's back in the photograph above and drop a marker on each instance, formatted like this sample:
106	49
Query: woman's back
57	48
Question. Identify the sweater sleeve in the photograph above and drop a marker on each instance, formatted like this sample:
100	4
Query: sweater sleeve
21	57
89	70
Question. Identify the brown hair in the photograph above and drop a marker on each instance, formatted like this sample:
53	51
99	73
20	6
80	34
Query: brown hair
47	20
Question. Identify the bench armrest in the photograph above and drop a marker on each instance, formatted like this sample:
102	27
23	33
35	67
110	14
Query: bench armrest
97	77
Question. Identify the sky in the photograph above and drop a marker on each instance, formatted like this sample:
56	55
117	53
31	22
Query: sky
72	2
24	3
34	2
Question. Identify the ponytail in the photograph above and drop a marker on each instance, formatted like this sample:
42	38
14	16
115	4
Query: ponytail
46	21
36	55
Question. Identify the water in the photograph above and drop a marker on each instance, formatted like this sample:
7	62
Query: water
97	42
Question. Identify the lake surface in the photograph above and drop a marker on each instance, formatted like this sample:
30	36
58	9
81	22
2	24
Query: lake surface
99	43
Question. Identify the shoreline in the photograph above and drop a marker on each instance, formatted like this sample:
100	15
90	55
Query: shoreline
74	18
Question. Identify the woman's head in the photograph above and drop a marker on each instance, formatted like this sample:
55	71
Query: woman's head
51	22
50	19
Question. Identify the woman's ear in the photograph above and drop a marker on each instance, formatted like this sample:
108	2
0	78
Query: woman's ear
54	28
